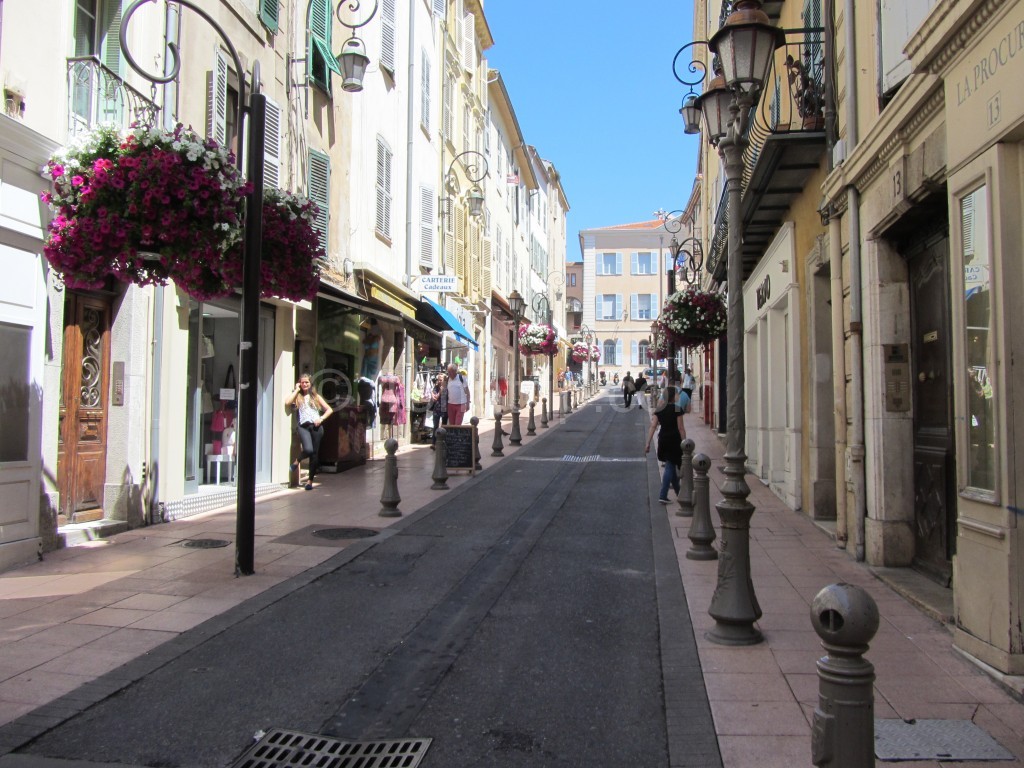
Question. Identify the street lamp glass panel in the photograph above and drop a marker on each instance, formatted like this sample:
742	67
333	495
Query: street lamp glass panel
517	303
714	104
746	51
353	61
475	199
691	114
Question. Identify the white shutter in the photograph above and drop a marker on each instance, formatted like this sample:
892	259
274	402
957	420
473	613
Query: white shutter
319	190
428	221
469	43
618	307
634	263
387	35
441	8
217	101
634	353
898	20
447	96
599	306
618	351
272	146
425	90
618	264
967	227
110	29
383	188
634	306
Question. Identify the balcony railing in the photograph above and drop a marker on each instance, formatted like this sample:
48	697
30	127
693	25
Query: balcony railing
794	94
720	241
99	96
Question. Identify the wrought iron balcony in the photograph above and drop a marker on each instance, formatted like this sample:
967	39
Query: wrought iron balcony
99	96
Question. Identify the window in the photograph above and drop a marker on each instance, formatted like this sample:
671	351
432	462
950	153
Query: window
642	348
425	90
643	263
319	186
95	99
612	353
642	306
387	36
269	14
15	406
609	264
384	158
980	467
572	280
609	306
320	62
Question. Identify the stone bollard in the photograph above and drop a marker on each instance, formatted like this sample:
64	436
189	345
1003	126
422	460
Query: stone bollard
544	413
476	443
531	424
497	446
516	436
389	498
685	499
440	476
561	403
702	532
843	732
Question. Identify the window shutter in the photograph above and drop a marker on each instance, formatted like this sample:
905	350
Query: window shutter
599	306
110	29
427	223
319	189
634	353
425	90
217	100
383	188
618	351
487	281
634	263
634	306
447	94
469	43
269	14
387	36
441	8
319	16
967	227
460	243
272	146
618	307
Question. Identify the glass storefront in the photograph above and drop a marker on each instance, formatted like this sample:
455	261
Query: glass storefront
211	411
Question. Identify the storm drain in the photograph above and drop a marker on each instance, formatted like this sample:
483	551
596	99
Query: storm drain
204	543
946	740
288	748
344	533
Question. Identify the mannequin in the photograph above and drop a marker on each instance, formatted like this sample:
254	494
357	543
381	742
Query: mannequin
392	399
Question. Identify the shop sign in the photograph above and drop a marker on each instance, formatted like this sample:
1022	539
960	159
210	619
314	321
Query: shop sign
390	300
434	283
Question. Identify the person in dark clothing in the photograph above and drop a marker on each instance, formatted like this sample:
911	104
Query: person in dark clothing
641	390
628	388
667	420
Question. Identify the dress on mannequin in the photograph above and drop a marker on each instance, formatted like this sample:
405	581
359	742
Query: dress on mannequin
392	399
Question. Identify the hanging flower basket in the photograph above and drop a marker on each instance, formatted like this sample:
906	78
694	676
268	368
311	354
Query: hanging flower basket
658	349
595	353
581	351
692	317
537	339
146	207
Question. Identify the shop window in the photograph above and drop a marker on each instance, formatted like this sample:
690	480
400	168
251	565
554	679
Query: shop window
979	347
15	390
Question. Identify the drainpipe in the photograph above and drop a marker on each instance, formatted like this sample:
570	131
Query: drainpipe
410	197
856	402
835	259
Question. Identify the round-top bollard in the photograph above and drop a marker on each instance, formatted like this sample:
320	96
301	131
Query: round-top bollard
843	733
685	499
440	476
515	436
476	443
544	413
531	424
497	446
389	498
702	532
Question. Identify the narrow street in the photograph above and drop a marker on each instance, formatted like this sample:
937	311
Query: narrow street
522	619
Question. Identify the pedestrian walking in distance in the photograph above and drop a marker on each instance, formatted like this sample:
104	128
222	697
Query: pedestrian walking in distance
689	384
312	410
641	390
667	421
628	388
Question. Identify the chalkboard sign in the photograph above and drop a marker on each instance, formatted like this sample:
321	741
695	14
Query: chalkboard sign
458	443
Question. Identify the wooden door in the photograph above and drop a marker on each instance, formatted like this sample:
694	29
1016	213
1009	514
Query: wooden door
82	449
934	462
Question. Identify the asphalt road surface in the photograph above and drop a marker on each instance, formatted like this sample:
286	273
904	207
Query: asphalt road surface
534	616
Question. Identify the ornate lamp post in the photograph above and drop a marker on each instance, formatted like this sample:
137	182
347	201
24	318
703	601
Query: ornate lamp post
687	260
542	309
745	46
474	165
588	337
253	118
518	304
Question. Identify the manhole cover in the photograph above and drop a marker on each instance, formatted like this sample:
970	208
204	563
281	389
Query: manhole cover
959	740
288	748
344	533
204	543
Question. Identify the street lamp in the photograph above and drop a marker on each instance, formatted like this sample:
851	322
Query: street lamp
542	309
588	337
687	259
517	304
255	123
475	167
745	46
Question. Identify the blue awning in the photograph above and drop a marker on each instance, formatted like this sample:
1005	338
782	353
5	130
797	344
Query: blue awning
452	322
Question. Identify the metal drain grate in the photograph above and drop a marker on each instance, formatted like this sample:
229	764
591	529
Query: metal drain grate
345	533
286	748
204	543
952	740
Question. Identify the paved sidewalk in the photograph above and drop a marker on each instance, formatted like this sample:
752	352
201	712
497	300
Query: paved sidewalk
87	610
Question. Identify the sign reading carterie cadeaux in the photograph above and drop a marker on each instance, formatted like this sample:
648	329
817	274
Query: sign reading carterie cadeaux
434	283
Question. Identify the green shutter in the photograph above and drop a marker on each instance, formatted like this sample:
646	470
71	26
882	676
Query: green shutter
269	10
110	32
319	187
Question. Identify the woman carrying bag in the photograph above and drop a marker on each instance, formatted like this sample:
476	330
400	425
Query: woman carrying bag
439	405
668	416
312	410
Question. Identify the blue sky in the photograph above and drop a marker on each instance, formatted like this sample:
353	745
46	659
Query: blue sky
592	86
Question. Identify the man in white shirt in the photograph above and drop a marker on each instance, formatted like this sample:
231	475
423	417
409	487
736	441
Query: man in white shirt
458	395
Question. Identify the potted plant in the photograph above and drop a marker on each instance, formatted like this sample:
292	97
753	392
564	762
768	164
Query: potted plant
537	339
